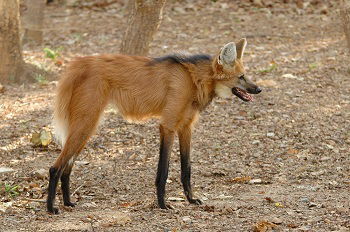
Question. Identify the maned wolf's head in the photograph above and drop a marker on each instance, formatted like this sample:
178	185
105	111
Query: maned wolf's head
230	74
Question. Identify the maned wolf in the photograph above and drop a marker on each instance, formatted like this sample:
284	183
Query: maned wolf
175	88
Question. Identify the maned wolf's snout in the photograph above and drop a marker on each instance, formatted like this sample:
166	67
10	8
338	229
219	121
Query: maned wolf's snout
254	90
244	94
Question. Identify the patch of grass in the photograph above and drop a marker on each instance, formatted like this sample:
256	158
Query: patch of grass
52	53
11	190
272	67
41	79
313	66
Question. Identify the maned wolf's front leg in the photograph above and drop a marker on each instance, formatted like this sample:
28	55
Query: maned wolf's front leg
185	135
166	143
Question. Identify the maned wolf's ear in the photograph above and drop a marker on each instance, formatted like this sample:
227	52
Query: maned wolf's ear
228	54
241	47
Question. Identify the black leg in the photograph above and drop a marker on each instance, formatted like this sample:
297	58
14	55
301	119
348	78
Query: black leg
65	185
62	167
54	177
185	150
166	142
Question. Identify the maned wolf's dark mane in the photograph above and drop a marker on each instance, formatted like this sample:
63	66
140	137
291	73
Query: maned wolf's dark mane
181	59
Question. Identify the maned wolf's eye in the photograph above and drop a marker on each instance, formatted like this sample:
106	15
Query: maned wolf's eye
241	77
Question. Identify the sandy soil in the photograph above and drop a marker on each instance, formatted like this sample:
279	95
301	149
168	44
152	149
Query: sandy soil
280	163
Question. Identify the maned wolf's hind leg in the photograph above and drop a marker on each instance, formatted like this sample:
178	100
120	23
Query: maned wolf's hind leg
185	149
166	142
54	174
63	165
65	184
80	129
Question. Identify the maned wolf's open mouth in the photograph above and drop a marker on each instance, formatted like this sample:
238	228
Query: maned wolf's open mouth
242	94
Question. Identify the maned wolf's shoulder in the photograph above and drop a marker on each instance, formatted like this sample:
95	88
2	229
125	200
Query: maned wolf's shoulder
181	59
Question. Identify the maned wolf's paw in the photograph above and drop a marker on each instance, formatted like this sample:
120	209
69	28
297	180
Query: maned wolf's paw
166	206
70	204
53	211
195	201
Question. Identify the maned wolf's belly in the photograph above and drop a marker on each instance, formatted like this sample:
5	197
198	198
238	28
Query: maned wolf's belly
137	107
136	115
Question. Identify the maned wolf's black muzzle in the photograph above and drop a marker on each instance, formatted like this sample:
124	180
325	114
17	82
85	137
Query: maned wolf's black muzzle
255	90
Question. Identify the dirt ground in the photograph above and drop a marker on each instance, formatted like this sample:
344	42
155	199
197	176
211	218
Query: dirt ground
279	163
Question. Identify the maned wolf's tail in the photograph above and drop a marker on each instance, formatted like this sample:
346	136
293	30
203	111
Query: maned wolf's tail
63	99
81	96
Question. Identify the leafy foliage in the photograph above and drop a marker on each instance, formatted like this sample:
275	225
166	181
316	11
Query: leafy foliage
52	54
11	190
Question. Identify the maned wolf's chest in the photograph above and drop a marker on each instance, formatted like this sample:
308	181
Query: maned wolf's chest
202	105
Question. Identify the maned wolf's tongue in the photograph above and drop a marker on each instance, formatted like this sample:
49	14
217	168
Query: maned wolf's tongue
242	94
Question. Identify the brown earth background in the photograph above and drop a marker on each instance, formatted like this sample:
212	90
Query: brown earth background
279	163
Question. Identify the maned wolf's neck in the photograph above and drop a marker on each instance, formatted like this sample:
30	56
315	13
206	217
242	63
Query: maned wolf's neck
202	76
199	68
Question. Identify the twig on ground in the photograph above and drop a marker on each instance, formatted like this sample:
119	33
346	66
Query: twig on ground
36	200
77	189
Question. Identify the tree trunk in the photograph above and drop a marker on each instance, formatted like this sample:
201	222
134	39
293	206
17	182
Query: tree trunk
33	21
144	19
11	62
345	15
